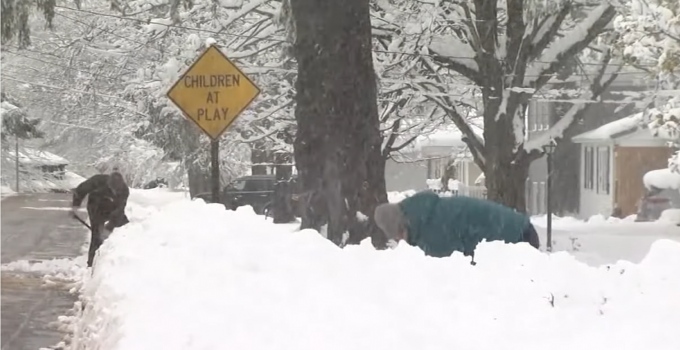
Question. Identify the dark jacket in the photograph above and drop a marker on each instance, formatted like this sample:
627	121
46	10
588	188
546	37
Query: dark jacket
442	225
107	198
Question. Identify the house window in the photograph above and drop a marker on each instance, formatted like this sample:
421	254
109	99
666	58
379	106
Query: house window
588	168
539	115
461	172
436	168
603	170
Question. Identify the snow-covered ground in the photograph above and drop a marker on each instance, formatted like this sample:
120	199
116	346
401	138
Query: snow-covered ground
189	275
599	241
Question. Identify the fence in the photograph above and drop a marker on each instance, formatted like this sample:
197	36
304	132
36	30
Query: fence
467	191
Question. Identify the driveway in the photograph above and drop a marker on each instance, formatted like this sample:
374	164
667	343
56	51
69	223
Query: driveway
35	227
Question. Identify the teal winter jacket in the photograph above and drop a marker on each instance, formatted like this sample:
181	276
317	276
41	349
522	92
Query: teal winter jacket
441	225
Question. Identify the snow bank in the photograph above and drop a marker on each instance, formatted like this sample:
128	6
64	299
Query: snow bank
436	184
143	203
671	216
195	276
662	179
70	269
396	196
6	191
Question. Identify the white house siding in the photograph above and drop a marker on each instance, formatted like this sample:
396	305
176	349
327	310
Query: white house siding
596	180
402	176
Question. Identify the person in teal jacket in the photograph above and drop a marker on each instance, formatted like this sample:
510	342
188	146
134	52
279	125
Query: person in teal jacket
442	225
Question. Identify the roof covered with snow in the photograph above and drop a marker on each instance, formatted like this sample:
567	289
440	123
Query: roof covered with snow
30	156
6	107
612	130
443	138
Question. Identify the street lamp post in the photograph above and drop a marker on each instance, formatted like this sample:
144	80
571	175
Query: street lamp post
549	149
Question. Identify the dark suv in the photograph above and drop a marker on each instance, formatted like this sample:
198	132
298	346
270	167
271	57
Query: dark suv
254	190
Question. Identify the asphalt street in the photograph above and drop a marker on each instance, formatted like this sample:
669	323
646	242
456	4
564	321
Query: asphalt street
35	227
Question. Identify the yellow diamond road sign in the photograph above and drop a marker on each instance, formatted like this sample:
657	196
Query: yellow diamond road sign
213	92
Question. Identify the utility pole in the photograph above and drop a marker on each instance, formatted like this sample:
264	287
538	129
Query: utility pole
16	153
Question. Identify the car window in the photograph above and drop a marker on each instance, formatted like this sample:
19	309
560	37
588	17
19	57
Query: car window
259	185
238	185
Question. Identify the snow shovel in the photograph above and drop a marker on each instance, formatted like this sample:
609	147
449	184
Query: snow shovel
75	216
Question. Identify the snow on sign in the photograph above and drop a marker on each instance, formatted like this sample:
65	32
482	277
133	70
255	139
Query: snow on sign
213	92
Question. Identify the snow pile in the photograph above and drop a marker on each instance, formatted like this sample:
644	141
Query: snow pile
196	276
6	191
601	219
556	220
65	269
54	266
662	179
396	196
671	216
143	203
436	184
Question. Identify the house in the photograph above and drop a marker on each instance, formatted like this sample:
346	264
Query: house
406	171
33	161
542	113
39	171
427	160
614	159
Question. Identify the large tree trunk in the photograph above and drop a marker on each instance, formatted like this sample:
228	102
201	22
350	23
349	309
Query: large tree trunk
506	184
337	115
506	167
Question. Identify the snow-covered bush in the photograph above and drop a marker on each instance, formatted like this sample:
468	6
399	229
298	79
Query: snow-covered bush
650	38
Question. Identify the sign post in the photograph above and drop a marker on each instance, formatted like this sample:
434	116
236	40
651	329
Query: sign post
215	170
212	93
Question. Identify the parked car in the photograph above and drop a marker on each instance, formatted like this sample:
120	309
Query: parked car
655	201
254	190
159	182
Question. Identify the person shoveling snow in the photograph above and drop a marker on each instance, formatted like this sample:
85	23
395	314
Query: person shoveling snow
440	226
108	195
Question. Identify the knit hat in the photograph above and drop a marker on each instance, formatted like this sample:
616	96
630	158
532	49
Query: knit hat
390	219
